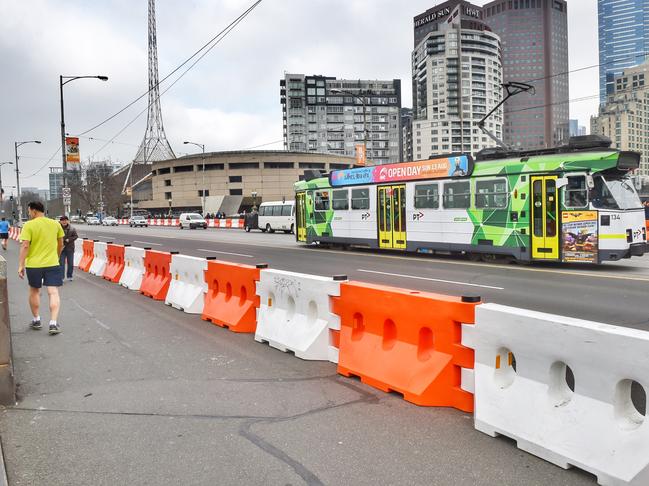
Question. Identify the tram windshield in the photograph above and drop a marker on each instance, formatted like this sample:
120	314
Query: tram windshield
614	193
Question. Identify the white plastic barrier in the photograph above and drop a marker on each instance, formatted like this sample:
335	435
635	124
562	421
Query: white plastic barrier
188	286
295	315
133	268
524	364
78	253
99	261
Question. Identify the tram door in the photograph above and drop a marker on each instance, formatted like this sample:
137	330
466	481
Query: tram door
545	223
300	216
392	216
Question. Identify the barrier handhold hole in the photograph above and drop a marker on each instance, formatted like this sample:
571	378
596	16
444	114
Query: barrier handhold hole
630	404
271	299
562	384
358	327
389	334
243	295
228	291
312	312
505	368
290	308
425	345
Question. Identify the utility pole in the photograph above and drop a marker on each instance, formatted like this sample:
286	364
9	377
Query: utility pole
20	206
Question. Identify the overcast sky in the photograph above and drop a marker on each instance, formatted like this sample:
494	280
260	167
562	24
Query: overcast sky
230	100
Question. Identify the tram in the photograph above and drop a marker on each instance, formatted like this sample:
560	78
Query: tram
570	204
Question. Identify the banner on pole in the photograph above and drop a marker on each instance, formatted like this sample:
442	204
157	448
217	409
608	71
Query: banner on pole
361	158
72	150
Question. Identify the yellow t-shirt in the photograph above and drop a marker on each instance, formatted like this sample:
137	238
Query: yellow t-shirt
42	234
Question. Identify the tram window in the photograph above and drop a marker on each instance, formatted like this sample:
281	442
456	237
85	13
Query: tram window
601	195
340	200
321	201
361	198
427	196
576	194
491	194
457	195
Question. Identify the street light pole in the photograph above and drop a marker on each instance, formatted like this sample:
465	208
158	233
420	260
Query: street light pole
202	146
362	100
63	154
20	206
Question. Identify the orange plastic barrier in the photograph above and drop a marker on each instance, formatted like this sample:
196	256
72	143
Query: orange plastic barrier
406	341
88	255
114	262
156	279
231	300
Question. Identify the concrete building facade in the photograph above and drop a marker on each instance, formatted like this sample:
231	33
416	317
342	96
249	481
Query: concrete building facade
534	35
323	114
623	27
624	118
232	179
56	182
456	80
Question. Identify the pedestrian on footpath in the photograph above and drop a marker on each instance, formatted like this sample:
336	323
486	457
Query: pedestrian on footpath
40	248
4	233
67	255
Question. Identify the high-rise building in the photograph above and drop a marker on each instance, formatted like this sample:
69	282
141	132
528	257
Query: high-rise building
623	39
406	134
456	80
624	118
327	115
534	35
56	182
575	129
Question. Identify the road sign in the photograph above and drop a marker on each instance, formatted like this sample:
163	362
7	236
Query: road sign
67	201
66	192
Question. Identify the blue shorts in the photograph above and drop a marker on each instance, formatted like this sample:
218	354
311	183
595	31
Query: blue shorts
48	276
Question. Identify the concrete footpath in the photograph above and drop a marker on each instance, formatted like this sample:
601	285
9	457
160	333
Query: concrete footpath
134	392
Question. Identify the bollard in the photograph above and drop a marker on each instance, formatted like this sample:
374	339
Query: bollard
7	384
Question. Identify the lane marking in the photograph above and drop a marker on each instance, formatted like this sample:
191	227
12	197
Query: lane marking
415	277
226	253
147	243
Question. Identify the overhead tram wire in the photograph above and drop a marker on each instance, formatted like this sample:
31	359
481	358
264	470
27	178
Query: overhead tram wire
221	33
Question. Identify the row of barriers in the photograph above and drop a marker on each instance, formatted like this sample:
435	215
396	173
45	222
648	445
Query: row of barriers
211	223
567	390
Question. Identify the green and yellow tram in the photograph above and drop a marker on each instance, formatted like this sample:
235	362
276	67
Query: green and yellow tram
572	204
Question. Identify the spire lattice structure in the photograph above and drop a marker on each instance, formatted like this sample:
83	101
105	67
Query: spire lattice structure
154	146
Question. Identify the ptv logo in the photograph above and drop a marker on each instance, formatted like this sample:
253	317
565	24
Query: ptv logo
418	216
365	216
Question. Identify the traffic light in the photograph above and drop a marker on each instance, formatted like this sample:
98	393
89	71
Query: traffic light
11	198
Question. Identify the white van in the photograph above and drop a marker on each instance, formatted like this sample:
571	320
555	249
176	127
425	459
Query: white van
192	221
277	215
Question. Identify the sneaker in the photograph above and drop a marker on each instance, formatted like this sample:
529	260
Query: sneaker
55	329
36	325
69	279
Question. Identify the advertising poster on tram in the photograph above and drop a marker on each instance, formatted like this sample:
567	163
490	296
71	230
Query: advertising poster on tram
579	236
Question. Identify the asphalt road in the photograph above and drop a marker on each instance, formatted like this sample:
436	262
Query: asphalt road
614	293
134	392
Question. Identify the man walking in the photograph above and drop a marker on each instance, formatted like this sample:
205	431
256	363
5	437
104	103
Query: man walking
4	233
40	247
67	255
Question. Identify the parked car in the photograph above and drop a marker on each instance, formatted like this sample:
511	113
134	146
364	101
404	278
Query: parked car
92	221
109	221
136	221
76	219
192	221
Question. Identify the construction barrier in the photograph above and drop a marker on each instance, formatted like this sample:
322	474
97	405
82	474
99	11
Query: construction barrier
156	279
187	288
562	388
99	259
406	341
78	254
231	300
114	262
88	255
294	313
133	268
14	233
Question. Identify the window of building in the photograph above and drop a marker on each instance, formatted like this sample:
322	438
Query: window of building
361	198
167	195
200	193
339	166
184	168
340	201
427	196
214	166
321	201
457	195
166	170
244	165
279	165
311	165
236	192
167	182
576	193
491	194
235	178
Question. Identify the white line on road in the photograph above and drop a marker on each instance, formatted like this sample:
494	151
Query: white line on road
226	253
431	279
147	243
